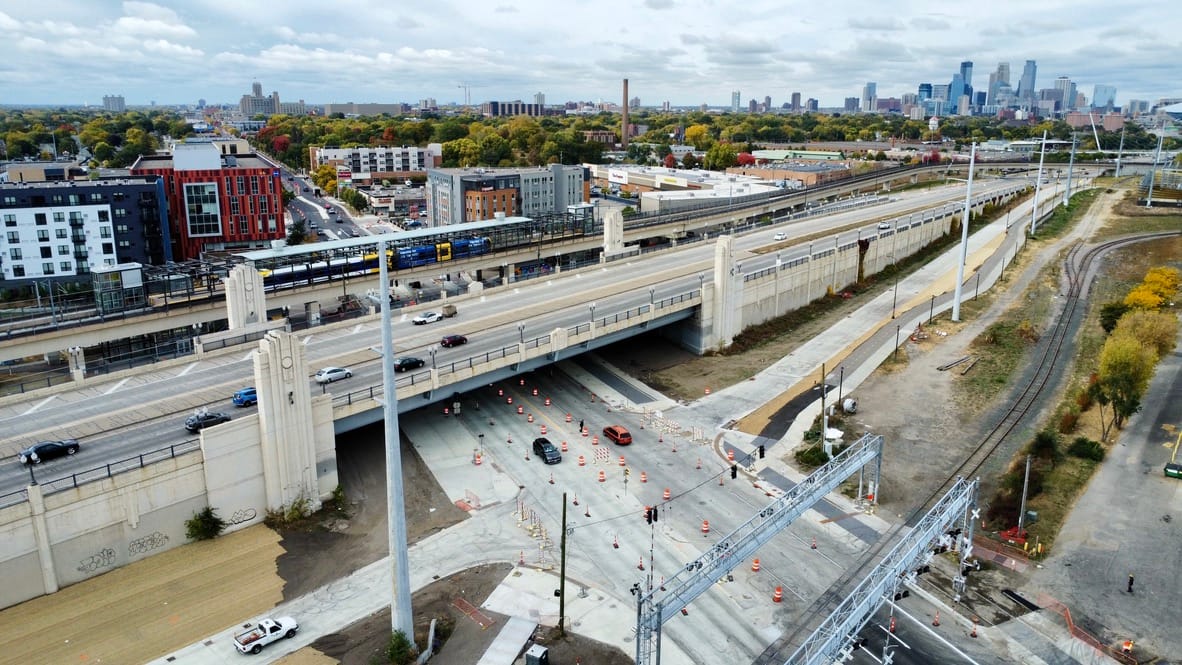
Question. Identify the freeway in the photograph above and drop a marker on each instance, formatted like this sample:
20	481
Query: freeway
117	417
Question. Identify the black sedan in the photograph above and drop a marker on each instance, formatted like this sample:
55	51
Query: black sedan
407	363
46	450
453	340
199	421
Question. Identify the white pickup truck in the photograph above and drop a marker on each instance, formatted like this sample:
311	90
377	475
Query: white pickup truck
265	632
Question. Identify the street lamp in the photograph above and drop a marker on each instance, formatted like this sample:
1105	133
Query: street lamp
521	332
701	285
432	349
652	295
592	306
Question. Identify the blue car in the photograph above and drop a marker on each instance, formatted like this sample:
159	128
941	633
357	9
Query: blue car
246	397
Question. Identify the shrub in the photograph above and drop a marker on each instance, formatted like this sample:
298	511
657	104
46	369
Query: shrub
1083	399
1085	448
297	511
1067	421
400	651
812	456
1045	446
204	525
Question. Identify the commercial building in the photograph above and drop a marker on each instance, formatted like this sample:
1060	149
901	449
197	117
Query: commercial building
455	196
368	165
352	109
217	202
509	109
63	231
42	172
114	103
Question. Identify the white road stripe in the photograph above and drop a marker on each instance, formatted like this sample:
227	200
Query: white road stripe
117	386
187	369
40	404
247	356
306	340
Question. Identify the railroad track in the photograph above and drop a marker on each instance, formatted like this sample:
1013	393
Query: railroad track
1077	265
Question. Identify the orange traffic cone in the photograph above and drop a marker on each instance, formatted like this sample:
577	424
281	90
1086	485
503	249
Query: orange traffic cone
778	596
568	417
564	449
730	455
576	501
705	527
622	461
543	429
602	477
974	633
643	477
615	542
755	565
582	461
814	545
699	463
640	566
551	478
936	621
667	494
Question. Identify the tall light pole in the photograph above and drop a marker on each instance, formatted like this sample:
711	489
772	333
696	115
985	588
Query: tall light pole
1120	151
401	617
1038	186
964	235
1153	169
1070	169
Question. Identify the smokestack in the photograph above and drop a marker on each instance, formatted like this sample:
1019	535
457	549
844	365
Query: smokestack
624	119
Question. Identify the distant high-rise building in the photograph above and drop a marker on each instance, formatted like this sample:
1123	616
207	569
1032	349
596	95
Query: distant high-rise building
767	103
256	104
1026	89
925	91
736	100
1104	97
634	103
795	101
869	97
851	104
1066	90
996	79
956	89
201	103
540	98
966	75
752	106
812	104
979	98
114	103
940	91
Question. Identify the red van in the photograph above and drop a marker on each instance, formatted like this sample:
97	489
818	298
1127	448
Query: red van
618	434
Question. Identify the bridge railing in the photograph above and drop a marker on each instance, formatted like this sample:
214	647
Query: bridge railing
108	470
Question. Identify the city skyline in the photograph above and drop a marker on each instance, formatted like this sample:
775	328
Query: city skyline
367	52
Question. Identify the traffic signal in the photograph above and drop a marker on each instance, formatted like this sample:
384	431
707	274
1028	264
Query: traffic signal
734	471
761	451
648	514
655	514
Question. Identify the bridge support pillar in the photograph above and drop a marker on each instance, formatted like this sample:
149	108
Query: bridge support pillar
246	302
727	306
77	363
287	430
41	535
613	232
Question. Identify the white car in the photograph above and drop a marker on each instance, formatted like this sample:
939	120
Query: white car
780	236
330	374
427	317
884	226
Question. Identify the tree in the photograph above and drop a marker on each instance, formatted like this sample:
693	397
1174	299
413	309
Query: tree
1163	281
670	161
690	161
698	136
720	157
1143	297
1125	369
1110	313
298	233
1157	330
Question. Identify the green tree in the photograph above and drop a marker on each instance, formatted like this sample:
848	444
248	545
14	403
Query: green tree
1157	330
1125	369
1110	313
720	157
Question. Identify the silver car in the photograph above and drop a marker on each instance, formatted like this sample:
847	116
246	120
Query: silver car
330	374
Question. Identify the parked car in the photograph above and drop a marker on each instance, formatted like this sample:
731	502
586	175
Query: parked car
546	451
427	317
202	419
618	434
46	450
246	397
453	340
883	226
780	236
407	363
330	374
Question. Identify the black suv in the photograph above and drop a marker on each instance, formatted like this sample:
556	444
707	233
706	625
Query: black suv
199	421
546	451
407	363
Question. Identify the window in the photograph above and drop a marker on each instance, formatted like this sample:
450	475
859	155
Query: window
76	218
9	200
104	232
59	218
96	196
125	243
61	233
63	250
104	216
57	198
243	226
120	213
264	207
47	269
18	271
241	182
254	185
272	225
120	228
234	205
42	235
75	199
108	248
117	196
201	210
46	252
65	266
40	219
10	220
15	253
14	236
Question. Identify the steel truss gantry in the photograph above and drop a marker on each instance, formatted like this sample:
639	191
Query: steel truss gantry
835	640
657	606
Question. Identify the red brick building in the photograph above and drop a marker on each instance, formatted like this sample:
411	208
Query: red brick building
217	203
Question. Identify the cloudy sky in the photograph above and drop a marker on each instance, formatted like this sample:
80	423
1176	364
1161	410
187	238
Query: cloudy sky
686	52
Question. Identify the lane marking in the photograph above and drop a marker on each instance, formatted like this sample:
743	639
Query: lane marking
188	368
40	404
117	386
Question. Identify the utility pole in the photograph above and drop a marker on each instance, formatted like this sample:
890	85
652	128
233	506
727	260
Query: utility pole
1038	186
1153	169
1120	152
562	574
964	235
1070	168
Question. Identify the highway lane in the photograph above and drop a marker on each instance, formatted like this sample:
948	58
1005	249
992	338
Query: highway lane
490	321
